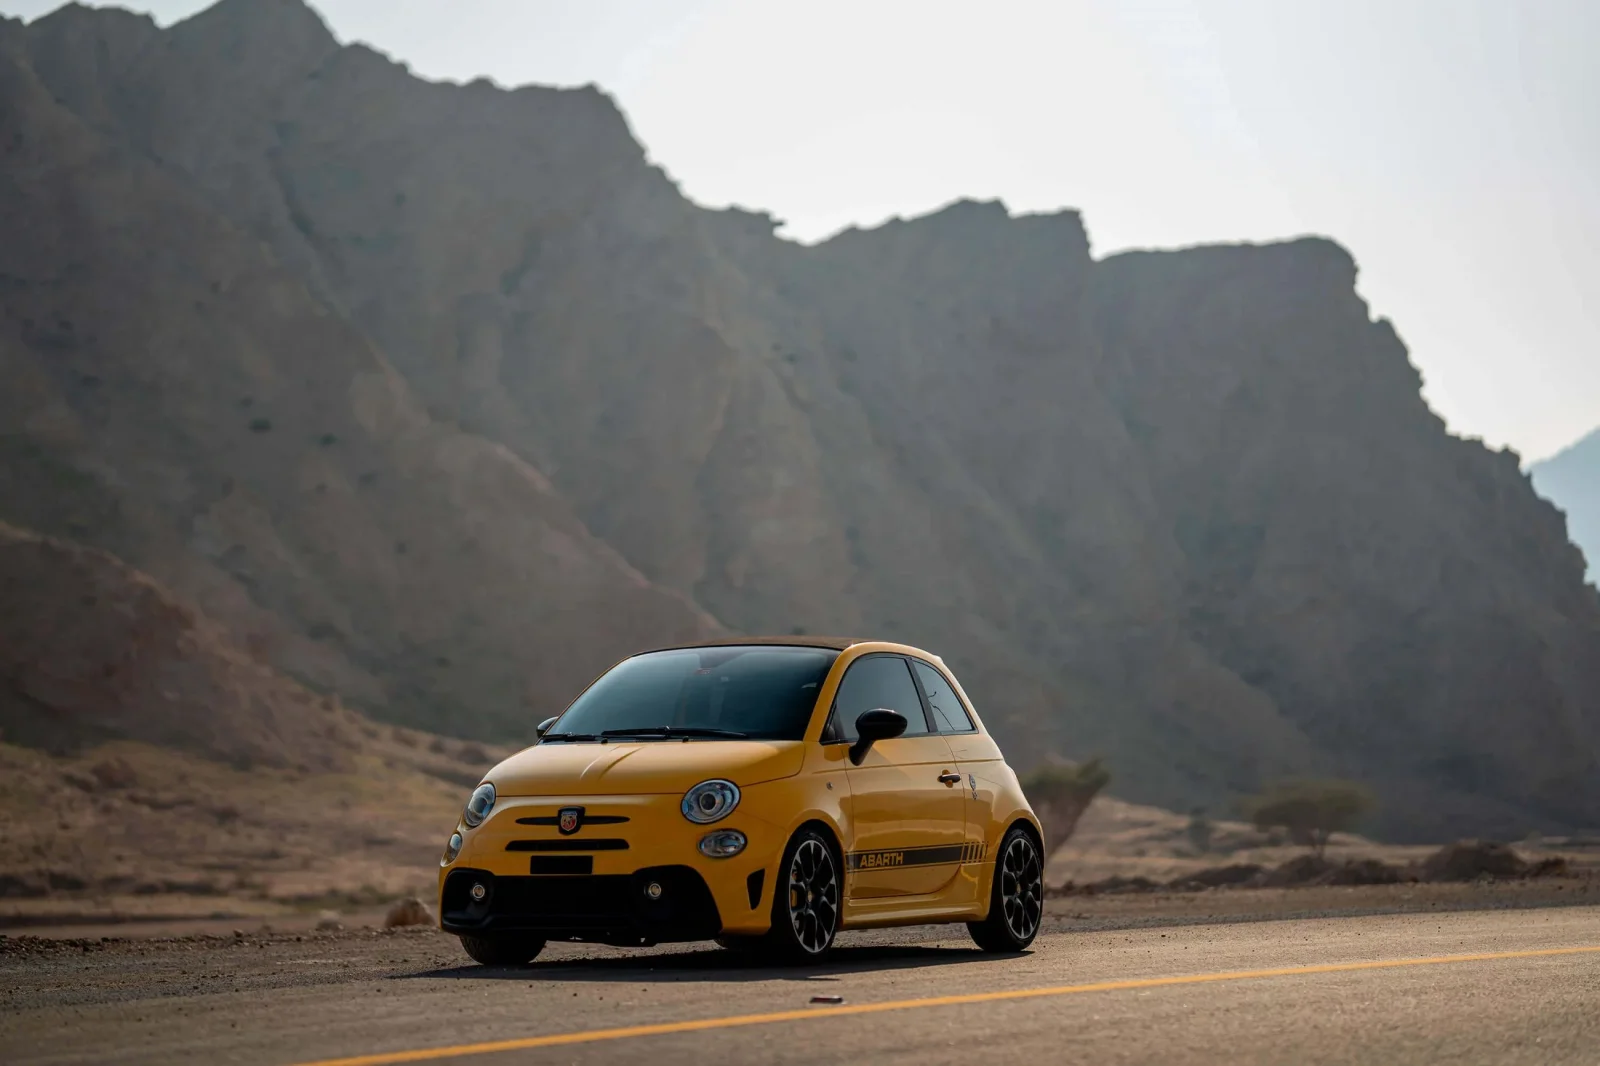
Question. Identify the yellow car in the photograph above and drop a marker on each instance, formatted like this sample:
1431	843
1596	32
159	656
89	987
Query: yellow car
764	792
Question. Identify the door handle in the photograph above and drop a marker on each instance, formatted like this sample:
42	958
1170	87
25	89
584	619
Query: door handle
950	778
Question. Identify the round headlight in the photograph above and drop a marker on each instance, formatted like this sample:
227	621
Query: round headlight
479	806
452	848
723	844
710	801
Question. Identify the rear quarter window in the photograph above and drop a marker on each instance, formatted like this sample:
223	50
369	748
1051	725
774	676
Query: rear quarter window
949	714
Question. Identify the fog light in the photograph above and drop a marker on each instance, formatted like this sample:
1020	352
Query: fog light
452	848
723	844
653	890
480	892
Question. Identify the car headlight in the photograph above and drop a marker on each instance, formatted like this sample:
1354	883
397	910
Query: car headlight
452	848
479	806
710	801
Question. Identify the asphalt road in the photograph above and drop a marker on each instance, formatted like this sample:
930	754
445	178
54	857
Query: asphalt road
1510	986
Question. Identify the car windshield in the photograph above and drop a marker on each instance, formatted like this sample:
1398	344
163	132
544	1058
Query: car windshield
756	692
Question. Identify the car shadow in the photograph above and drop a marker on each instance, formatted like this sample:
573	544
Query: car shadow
700	964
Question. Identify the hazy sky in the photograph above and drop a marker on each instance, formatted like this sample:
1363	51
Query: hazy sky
1447	143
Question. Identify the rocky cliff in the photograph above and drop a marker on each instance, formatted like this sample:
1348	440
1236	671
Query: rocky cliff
441	396
1571	480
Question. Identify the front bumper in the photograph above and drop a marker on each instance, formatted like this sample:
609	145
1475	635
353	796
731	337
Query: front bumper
596	884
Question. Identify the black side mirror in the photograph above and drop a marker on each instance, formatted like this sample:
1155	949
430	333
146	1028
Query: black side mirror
880	723
544	727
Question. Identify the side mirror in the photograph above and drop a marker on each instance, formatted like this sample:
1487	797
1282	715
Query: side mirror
544	727
880	723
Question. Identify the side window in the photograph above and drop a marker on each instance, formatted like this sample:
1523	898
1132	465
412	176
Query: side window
873	682
949	716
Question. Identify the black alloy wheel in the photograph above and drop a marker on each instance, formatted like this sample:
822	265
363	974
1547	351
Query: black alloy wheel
806	909
1016	901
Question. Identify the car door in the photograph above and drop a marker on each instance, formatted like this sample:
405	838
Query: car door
906	807
974	753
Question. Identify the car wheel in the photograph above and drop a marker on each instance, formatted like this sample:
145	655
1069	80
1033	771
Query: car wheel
807	906
502	950
1016	901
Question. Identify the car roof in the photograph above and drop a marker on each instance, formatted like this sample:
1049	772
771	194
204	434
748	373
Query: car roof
798	640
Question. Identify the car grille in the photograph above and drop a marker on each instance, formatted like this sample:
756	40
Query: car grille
598	844
611	908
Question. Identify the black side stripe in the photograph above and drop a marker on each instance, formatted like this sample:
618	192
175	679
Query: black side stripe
934	855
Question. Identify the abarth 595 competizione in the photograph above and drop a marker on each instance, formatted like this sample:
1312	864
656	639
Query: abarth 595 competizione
765	793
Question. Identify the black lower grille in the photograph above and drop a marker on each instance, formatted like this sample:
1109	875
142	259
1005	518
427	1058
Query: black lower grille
601	844
609	908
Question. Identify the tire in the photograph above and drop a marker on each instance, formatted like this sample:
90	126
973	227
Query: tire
1016	899
808	902
502	950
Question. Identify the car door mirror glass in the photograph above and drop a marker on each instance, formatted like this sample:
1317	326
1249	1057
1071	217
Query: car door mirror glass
880	723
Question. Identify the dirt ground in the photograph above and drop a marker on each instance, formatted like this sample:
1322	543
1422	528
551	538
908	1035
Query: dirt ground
364	925
129	832
1121	839
138	841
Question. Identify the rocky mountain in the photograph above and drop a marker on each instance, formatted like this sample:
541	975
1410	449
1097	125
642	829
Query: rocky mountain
131	722
441	397
1571	481
92	650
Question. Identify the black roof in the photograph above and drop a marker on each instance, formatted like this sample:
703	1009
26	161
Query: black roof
795	641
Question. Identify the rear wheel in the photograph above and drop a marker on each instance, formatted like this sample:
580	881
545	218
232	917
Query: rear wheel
1016	901
502	950
807	905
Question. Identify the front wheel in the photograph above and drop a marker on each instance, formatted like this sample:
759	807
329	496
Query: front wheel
502	950
806	905
1016	901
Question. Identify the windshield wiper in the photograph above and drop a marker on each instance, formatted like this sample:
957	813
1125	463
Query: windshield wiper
684	731
569	736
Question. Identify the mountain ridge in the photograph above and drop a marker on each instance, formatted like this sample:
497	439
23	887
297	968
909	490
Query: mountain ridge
1571	480
1185	508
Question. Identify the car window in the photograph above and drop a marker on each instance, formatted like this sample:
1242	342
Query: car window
873	682
949	716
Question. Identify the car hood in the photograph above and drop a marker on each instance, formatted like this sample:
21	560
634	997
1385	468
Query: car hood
652	766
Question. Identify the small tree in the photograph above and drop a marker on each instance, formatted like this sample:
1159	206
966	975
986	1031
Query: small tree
1311	811
1060	793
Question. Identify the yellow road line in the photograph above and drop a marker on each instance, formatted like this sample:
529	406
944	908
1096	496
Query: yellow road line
389	1058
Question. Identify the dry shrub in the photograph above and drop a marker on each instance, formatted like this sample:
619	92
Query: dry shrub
410	911
1555	866
1468	860
115	772
1212	877
1059	793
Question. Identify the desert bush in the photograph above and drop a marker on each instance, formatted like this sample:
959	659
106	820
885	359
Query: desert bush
1310	810
408	912
1060	792
1217	876
115	772
1468	860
